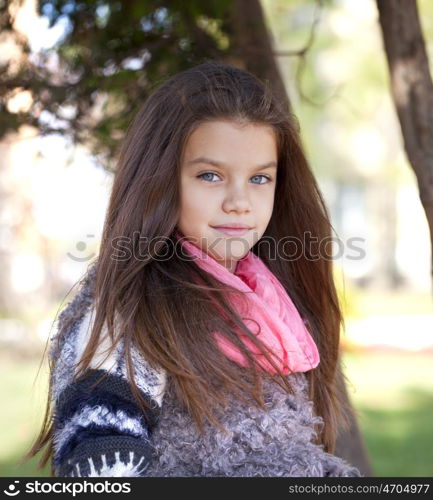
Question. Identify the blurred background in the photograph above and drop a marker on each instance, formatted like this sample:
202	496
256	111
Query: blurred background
72	76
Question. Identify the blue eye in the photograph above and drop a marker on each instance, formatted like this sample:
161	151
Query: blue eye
205	173
201	176
262	176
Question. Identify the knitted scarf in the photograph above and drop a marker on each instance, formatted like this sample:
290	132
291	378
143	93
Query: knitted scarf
270	313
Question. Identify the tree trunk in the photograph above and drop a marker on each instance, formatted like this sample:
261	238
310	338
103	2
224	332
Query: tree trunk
253	51
252	45
350	444
412	91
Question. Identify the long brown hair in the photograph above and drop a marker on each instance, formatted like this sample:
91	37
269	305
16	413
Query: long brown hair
170	307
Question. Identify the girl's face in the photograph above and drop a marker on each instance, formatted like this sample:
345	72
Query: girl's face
228	176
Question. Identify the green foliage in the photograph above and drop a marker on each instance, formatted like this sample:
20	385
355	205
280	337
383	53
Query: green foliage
115	52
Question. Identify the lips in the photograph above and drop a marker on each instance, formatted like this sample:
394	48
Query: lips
233	225
232	229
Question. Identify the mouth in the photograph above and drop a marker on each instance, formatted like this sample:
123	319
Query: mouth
232	231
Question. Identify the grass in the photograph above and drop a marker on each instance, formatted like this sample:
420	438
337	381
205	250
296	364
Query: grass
392	392
400	442
21	416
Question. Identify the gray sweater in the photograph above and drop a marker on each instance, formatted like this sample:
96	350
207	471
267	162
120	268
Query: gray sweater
102	433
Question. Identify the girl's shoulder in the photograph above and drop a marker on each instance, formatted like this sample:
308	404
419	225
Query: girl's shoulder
73	331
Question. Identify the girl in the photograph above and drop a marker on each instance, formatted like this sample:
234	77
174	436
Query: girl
200	343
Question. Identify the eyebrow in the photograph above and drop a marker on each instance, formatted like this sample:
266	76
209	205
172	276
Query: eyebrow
203	159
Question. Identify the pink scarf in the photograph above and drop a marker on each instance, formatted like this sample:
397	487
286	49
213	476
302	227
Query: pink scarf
282	328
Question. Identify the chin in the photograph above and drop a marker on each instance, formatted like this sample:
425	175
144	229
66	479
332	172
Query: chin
230	250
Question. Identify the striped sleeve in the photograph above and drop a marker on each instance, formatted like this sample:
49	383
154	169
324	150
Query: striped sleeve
100	431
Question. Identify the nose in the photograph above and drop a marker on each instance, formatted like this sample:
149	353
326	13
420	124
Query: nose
237	200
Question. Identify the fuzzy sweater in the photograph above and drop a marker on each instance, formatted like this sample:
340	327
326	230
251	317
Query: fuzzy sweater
103	433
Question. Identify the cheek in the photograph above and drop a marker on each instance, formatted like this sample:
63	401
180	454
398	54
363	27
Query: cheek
264	204
195	204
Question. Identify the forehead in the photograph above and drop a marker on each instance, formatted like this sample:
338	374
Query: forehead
226	140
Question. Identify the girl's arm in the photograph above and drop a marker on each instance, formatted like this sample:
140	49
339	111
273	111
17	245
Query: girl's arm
102	433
